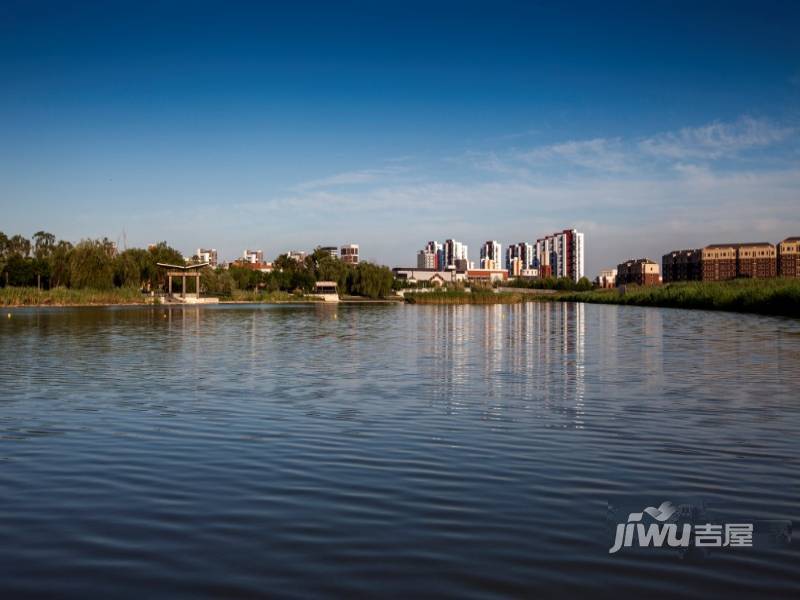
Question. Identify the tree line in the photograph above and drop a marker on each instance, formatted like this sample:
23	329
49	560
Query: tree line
46	263
292	275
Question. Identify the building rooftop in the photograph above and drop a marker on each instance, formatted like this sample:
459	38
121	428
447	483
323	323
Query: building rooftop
739	245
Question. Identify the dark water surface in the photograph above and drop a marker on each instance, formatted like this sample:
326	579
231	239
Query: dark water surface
388	450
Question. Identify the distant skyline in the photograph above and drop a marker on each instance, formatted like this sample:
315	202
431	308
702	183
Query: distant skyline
648	126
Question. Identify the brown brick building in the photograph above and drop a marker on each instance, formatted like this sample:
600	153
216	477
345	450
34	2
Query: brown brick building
681	265
789	257
720	262
756	261
641	271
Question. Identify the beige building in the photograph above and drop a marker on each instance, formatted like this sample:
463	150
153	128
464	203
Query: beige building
641	271
607	278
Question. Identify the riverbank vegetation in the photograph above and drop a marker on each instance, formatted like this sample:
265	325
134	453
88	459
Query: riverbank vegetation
779	296
62	296
479	296
551	283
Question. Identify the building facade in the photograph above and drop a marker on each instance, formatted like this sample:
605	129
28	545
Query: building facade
721	262
789	257
208	255
253	256
756	261
455	251
640	271
682	265
607	278
491	255
561	254
349	254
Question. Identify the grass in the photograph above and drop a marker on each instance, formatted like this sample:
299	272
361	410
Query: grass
61	296
268	297
778	296
461	297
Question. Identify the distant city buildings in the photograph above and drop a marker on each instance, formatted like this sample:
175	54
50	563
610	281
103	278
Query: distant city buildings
455	256
490	255
298	255
560	254
253	256
349	254
333	251
641	271
208	255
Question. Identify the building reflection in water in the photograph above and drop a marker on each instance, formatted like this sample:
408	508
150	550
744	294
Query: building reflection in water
529	356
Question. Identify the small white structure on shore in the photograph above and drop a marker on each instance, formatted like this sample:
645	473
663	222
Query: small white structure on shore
190	271
327	290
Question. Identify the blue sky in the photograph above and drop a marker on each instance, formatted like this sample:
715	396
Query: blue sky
650	126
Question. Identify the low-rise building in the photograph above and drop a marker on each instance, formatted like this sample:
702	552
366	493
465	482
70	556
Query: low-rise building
641	271
607	278
756	261
681	265
789	257
718	262
490	275
430	276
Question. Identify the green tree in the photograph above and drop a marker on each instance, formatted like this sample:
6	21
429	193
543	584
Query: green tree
43	244
91	266
163	253
18	246
59	264
371	280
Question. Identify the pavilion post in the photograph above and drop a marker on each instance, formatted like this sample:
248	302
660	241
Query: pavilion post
183	286
169	285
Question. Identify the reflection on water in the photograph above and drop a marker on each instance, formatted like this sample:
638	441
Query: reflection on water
354	450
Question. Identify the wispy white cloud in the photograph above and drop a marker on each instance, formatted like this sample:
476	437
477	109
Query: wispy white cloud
360	177
715	140
596	154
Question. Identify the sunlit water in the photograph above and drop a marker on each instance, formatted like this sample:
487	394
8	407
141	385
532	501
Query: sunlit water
387	450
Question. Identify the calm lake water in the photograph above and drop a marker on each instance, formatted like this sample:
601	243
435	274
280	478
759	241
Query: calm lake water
295	451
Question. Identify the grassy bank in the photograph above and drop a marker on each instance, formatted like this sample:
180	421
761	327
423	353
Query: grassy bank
30	296
267	297
762	296
461	297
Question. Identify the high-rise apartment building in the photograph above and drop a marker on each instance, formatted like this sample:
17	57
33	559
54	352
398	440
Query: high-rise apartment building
426	260
561	254
491	255
455	255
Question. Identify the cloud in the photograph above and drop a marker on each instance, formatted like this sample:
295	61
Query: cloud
599	154
715	140
348	178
